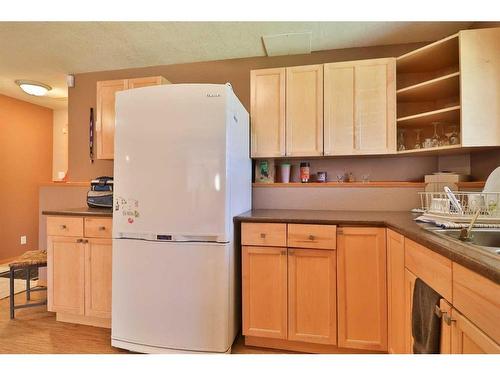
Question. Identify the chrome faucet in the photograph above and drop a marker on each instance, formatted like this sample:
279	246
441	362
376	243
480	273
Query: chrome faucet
465	232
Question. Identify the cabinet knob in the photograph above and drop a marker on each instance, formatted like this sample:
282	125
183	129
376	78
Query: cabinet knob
262	235
85	241
102	228
311	237
80	240
62	226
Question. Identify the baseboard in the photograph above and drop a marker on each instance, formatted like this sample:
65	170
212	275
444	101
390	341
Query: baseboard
86	320
303	347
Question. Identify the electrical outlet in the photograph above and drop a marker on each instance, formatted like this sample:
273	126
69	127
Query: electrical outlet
23	240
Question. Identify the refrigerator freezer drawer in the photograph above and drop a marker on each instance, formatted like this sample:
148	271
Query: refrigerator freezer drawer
173	296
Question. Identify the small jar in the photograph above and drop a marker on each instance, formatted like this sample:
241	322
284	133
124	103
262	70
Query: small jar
304	171
321	176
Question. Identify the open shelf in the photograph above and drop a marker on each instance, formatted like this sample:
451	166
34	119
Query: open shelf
448	115
434	89
333	184
430	150
432	57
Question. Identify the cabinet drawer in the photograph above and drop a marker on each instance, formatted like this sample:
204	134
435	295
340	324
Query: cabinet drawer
432	268
64	226
98	227
478	299
263	234
312	236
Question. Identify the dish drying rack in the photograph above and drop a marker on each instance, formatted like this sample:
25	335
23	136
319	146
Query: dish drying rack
460	207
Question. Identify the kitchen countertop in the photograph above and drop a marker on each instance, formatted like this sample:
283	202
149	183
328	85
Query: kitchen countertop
402	222
83	211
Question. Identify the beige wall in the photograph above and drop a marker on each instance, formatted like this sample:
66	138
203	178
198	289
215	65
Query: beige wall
60	144
25	162
237	71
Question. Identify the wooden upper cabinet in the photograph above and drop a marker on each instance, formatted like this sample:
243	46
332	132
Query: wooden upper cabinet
264	286
135	83
360	107
98	255
66	275
395	292
267	109
479	82
466	338
362	288
105	117
339	109
304	110
312	306
105	114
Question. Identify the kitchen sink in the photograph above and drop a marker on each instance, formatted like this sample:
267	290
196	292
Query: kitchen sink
487	239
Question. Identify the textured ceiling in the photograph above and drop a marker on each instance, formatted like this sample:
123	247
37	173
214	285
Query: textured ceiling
47	51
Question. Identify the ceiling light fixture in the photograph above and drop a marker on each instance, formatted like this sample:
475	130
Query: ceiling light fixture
33	88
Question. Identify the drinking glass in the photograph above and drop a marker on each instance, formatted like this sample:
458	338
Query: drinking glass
435	137
418	143
401	140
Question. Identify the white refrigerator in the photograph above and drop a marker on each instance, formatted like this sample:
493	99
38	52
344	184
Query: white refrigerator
182	171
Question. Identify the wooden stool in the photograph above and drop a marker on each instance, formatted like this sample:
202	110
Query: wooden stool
28	261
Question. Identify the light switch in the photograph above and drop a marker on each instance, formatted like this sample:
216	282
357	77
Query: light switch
23	240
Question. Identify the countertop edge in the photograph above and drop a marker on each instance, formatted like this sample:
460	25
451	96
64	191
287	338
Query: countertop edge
78	212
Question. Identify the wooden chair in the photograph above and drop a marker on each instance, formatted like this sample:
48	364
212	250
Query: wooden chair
28	261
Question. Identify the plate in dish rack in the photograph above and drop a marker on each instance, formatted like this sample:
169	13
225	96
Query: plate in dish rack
492	182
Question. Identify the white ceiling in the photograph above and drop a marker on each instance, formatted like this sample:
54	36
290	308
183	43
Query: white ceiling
47	51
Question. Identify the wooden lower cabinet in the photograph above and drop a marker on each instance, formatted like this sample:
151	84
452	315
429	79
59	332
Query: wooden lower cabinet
98	256
362	288
79	270
312	307
408	289
395	292
66	275
264	291
466	338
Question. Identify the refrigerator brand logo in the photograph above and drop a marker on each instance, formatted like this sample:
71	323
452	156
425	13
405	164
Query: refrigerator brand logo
213	95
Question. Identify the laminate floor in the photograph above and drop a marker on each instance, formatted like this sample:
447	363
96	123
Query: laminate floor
36	331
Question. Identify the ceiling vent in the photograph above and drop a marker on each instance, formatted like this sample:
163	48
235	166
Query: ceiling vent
287	44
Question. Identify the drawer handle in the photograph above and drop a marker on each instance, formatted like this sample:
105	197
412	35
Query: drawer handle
102	228
85	241
62	226
262	235
80	240
311	237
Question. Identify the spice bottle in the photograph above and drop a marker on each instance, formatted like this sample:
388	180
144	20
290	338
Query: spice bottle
304	171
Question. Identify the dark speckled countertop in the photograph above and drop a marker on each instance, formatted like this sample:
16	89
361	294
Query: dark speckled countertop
83	211
473	258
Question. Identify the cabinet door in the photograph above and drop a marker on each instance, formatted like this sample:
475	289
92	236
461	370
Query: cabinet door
65	275
445	308
362	288
304	110
408	289
375	108
264	283
339	108
466	338
98	277
267	112
105	116
134	83
312	306
395	292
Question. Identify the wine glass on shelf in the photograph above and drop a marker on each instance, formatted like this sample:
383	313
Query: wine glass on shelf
401	140
443	139
454	137
418	143
435	137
